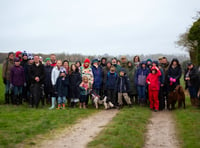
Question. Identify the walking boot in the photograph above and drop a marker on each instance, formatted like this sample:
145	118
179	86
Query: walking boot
53	100
63	106
196	102
59	106
192	100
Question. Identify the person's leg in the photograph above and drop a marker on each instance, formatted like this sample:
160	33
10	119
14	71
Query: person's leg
59	102
120	99
37	94
155	100
139	94
7	90
20	89
192	97
127	98
64	101
151	99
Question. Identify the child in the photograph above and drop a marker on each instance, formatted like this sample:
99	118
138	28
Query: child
153	88
62	88
74	81
111	85
17	81
85	86
123	88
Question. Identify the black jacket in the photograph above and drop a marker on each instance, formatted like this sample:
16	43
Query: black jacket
194	78
74	82
37	71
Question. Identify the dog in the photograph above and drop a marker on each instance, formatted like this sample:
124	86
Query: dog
176	95
101	100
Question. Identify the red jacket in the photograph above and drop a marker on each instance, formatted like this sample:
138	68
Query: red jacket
154	80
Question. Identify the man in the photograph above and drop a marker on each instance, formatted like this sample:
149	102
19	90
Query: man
53	60
7	65
37	77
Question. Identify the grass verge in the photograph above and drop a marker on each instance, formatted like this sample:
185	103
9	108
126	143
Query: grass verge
188	125
21	123
127	129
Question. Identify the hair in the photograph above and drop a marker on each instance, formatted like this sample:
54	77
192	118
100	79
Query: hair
65	61
175	60
113	67
84	78
71	70
78	62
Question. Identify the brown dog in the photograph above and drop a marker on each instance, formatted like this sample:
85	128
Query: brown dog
176	95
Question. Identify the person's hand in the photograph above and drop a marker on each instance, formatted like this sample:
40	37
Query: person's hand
148	82
25	84
11	86
161	85
37	79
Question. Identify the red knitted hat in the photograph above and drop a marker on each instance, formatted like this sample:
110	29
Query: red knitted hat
87	61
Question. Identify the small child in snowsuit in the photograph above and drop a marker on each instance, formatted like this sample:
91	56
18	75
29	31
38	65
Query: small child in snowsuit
154	86
17	81
62	88
123	88
85	87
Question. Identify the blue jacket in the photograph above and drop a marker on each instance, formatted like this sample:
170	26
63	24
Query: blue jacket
111	81
62	86
123	84
97	73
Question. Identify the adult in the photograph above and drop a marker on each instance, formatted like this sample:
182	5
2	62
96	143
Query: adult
124	62
174	74
133	89
97	73
114	63
53	60
103	62
37	76
7	65
54	76
136	61
192	83
140	81
106	69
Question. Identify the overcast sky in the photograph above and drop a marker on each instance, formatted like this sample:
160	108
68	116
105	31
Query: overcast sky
95	26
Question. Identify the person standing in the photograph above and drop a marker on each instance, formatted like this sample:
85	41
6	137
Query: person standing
37	76
7	65
192	83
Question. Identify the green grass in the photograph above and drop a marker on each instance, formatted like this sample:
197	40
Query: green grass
188	125
126	129
1	87
18	124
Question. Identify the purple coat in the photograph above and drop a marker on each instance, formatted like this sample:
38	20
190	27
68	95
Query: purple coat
17	77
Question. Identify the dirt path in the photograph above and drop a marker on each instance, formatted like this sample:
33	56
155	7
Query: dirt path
161	131
79	135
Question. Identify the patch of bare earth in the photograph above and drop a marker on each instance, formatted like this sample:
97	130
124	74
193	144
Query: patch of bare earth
80	134
161	131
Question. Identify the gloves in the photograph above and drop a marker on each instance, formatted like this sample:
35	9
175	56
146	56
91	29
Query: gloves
11	86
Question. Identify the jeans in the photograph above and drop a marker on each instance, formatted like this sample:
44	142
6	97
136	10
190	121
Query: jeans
7	87
61	100
193	92
141	92
17	90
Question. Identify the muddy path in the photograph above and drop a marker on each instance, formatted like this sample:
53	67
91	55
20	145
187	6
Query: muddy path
80	134
161	131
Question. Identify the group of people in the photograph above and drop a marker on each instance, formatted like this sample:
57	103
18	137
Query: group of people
30	79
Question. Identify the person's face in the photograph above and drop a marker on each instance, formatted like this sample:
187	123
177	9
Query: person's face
59	63
153	64
25	57
103	61
136	59
20	55
85	80
36	59
121	73
11	56
17	63
143	65
164	61
153	71
78	64
95	64
190	67
86	64
129	64
66	65
31	61
160	60
114	61
108	65
118	63
53	58
174	63
48	62
73	67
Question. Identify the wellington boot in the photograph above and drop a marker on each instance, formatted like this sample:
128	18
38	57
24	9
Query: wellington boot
59	106
63	105
53	100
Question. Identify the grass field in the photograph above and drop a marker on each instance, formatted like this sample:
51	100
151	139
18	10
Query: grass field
126	130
